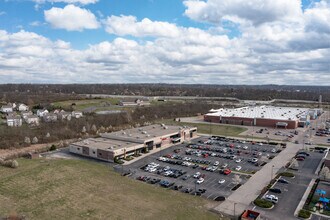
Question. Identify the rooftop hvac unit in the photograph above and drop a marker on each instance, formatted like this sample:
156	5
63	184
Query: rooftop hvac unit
124	132
144	132
148	135
165	127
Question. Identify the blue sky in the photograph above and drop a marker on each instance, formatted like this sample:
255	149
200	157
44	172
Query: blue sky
215	41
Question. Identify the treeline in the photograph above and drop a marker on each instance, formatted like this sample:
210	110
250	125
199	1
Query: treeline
256	92
91	124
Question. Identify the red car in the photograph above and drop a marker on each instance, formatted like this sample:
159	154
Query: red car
227	171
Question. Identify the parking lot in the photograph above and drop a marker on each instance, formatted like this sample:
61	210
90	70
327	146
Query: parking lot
209	167
292	192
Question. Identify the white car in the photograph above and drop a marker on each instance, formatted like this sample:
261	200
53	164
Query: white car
238	146
254	160
271	198
216	163
260	144
238	160
273	150
222	181
152	170
224	165
196	175
200	180
245	147
238	168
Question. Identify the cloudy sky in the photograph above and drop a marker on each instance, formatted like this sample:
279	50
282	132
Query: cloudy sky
165	41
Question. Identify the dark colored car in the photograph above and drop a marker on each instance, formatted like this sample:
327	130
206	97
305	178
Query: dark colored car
303	153
176	187
283	181
275	190
187	190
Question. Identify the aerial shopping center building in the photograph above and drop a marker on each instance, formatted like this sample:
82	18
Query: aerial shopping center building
120	144
266	116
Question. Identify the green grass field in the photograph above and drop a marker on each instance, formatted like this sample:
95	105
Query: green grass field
218	129
76	189
86	103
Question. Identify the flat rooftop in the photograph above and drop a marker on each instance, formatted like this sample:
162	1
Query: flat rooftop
104	144
268	112
142	134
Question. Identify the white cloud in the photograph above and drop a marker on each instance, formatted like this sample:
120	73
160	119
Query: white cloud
71	18
282	51
2	13
255	11
128	25
83	2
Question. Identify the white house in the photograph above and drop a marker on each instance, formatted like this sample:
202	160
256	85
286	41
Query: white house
77	114
24	114
23	107
64	115
42	112
50	117
14	121
32	120
6	109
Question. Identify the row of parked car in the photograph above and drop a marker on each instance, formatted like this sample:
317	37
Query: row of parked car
165	171
171	185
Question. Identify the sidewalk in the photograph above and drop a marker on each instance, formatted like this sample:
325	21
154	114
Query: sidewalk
237	202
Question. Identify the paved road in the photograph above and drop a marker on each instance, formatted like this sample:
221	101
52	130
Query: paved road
243	196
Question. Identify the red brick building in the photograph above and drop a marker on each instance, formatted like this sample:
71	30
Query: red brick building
264	116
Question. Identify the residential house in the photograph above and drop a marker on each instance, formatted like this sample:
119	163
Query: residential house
42	112
50	117
63	115
32	120
77	114
6	109
14	121
24	114
23	107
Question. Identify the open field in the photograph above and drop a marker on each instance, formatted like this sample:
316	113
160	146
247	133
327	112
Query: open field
78	189
218	129
86	103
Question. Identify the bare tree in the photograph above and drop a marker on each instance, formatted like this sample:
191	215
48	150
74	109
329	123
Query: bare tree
35	140
236	179
325	173
27	140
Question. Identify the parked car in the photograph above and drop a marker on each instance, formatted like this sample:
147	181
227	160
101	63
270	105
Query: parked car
300	158
188	190
271	198
281	180
222	181
238	160
200	180
275	190
238	168
186	177
224	165
197	175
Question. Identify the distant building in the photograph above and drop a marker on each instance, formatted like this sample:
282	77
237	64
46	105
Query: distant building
265	116
77	114
50	117
23	107
136	102
63	115
24	114
32	120
14	121
6	109
116	145
42	112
